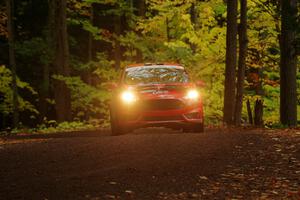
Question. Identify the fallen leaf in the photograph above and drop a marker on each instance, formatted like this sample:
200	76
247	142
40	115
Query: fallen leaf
129	192
203	177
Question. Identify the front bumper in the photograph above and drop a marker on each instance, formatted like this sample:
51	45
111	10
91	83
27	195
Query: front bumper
136	116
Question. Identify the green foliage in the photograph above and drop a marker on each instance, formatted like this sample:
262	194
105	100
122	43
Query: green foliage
52	127
91	101
49	127
165	36
86	100
6	106
34	48
102	68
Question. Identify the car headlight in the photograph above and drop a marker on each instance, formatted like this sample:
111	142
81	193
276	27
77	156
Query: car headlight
192	94
128	97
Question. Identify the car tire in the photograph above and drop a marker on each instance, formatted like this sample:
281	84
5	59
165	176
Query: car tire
187	129
198	128
115	129
193	128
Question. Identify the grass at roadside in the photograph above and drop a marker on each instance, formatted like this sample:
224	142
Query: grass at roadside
54	127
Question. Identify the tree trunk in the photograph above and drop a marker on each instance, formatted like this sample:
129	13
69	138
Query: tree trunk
288	63
258	112
45	86
241	64
12	60
61	62
231	47
117	46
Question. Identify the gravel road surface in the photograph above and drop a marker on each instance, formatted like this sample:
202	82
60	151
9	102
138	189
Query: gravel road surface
152	163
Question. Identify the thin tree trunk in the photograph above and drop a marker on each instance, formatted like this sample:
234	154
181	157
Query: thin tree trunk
142	8
231	48
288	63
44	93
193	14
45	86
117	47
12	60
61	62
141	13
167	29
250	118
241	64
2	115
3	121
258	107
87	73
130	57
90	38
258	112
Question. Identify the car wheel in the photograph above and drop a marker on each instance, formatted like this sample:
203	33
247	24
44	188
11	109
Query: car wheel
193	128
198	128
187	129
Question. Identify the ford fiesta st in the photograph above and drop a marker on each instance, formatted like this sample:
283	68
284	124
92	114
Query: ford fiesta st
156	95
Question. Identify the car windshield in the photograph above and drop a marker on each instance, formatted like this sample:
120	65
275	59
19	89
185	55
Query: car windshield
155	75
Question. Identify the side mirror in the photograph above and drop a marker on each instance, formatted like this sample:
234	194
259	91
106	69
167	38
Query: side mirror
200	84
110	85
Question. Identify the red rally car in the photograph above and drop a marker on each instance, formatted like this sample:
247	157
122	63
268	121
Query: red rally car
156	95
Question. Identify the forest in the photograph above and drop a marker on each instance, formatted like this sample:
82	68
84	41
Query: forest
57	55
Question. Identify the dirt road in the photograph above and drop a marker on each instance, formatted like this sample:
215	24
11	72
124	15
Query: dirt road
152	164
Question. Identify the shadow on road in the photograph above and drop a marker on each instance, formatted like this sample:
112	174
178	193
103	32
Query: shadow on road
89	134
85	134
74	134
154	130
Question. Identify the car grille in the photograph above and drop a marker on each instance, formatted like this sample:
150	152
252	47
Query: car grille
162	118
162	104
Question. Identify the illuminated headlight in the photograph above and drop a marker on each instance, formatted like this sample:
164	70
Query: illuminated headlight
192	94
128	97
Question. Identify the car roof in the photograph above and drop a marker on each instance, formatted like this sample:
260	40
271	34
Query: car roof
153	65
